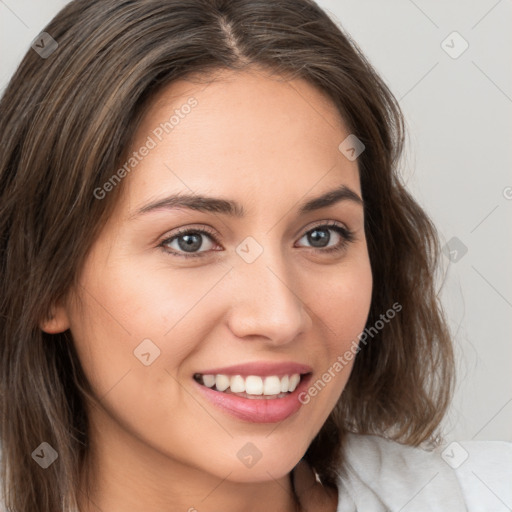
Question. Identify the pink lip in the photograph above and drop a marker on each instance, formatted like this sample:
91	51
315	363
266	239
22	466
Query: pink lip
271	410
260	368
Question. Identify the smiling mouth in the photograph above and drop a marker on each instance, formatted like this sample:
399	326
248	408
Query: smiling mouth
252	386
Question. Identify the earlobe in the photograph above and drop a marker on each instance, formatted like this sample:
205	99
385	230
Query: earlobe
56	322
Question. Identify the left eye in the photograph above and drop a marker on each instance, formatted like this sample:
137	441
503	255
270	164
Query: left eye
189	241
320	235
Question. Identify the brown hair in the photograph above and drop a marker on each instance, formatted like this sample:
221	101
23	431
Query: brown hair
66	121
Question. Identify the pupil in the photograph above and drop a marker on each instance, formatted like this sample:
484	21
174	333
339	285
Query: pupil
319	235
192	242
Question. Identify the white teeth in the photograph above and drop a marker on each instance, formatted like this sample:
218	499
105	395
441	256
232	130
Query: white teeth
237	384
271	386
294	382
253	384
209	380
284	384
221	382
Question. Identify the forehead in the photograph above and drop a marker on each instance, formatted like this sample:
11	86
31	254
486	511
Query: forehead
244	134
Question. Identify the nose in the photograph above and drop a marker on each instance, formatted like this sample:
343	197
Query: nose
265	300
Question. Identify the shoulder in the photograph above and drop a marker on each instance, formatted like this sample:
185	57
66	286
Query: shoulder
484	472
380	474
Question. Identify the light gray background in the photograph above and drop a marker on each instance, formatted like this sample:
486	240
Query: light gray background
457	164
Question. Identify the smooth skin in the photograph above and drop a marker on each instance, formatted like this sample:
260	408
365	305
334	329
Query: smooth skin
157	443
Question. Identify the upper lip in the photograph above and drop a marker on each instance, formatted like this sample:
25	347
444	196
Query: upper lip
260	368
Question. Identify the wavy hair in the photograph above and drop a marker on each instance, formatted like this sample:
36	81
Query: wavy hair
66	121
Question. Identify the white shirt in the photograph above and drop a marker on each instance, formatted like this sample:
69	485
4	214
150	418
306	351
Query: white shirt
465	476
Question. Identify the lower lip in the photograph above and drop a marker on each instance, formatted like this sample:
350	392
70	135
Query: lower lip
263	410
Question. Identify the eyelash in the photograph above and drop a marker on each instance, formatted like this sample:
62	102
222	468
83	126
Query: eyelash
346	235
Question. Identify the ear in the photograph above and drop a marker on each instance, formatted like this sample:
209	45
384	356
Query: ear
56	322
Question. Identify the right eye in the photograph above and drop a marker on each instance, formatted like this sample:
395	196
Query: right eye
187	242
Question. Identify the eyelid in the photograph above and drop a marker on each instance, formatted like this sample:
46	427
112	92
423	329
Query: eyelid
326	223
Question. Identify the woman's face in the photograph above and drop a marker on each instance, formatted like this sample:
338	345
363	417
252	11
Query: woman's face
262	295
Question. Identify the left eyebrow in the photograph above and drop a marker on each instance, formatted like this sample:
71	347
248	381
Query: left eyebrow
342	193
234	209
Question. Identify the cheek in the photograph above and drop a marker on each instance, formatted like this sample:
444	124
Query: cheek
157	296
131	333
128	311
342	307
342	301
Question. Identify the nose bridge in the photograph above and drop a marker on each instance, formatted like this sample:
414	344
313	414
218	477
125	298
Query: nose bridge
264	300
